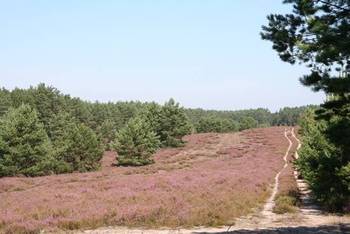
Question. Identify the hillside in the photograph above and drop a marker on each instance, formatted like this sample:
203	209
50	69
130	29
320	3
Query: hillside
210	181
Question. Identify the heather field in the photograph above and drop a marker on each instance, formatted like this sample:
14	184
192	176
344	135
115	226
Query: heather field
210	181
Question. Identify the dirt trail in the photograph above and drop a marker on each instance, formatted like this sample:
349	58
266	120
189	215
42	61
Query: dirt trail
267	211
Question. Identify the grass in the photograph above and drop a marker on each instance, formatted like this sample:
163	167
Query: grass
285	204
188	186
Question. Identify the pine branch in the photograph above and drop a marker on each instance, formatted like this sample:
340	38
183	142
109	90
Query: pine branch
333	5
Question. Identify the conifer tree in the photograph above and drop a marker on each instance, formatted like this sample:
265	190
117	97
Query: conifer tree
107	131
75	144
85	150
5	102
24	145
135	143
170	123
317	33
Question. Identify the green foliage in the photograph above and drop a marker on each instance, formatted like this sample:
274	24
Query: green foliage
212	124
316	33
290	115
107	131
247	123
63	117
5	101
135	143
285	116
169	122
24	145
86	151
155	126
322	163
75	145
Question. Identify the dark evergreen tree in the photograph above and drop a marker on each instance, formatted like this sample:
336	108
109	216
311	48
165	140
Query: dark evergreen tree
24	145
136	143
5	101
321	165
173	124
107	131
75	144
317	33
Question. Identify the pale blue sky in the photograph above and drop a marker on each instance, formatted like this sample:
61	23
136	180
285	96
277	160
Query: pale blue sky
204	53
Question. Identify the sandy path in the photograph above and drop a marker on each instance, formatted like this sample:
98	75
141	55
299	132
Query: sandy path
267	211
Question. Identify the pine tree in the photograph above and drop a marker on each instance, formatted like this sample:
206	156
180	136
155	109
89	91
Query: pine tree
169	122
135	143
85	150
317	34
107	131
5	101
24	145
75	145
321	163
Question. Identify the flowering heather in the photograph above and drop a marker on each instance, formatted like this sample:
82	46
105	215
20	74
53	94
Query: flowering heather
213	179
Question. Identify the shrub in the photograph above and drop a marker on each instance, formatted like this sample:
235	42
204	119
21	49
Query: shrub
24	145
285	204
135	143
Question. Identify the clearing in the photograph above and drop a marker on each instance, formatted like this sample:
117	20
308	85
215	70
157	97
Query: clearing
215	180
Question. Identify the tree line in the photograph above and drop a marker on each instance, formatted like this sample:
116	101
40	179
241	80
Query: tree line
43	131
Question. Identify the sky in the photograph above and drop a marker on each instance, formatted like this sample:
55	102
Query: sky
203	53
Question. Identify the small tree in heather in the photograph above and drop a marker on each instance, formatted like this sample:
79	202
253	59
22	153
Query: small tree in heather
135	143
24	145
75	144
86	151
173	124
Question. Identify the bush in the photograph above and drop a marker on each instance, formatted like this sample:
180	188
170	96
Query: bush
285	204
24	145
135	143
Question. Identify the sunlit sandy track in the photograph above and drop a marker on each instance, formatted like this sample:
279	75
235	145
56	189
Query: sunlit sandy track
267	211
